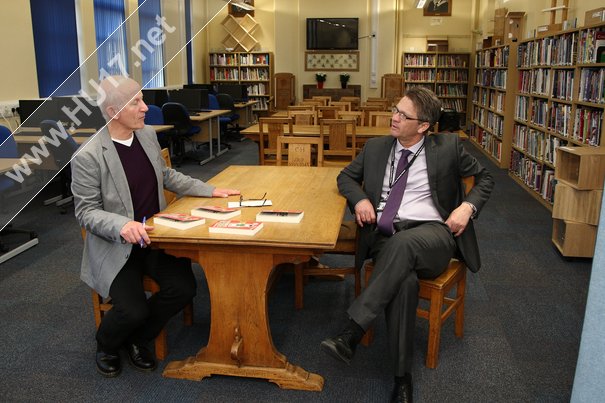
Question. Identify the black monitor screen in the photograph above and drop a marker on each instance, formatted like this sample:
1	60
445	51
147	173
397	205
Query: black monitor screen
33	111
238	92
332	33
193	100
81	112
211	88
156	97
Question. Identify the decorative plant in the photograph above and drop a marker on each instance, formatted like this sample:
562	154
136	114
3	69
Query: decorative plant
344	77
320	77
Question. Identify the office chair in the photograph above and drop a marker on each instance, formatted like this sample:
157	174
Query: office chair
176	114
232	128
62	156
8	149
154	116
223	120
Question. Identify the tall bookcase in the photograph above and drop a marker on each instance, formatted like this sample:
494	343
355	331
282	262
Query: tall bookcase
447	74
493	102
560	101
253	69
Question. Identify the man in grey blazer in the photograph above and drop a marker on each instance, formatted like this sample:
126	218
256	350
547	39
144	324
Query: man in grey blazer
118	179
412	221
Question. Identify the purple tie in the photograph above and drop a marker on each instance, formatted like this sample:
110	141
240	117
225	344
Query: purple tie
385	224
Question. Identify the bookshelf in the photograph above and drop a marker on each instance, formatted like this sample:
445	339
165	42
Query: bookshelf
445	73
559	101
239	32
253	69
493	102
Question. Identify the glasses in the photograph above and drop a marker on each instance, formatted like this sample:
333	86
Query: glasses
242	201
403	116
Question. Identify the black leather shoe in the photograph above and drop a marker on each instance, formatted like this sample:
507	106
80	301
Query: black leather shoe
108	365
341	347
403	392
140	357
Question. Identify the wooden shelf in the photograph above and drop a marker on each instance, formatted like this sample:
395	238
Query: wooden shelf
239	33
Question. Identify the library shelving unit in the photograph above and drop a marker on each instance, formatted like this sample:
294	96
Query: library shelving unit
239	32
253	69
445	73
493	102
560	101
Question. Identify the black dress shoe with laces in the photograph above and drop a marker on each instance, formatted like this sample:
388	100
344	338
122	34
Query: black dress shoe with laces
403	392
140	357
342	347
108	365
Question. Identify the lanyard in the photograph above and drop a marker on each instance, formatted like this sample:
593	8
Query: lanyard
407	167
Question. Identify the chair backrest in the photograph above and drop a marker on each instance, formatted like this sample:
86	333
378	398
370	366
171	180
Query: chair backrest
325	100
305	117
469	183
168	195
301	107
380	119
213	102
8	149
62	153
357	115
300	150
154	115
366	109
355	101
175	114
344	106
268	130
226	101
313	102
340	137
327	112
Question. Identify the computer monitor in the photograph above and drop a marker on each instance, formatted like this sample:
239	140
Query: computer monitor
193	100
79	105
33	111
210	87
239	92
155	96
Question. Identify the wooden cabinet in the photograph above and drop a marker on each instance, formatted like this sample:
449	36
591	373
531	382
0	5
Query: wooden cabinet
493	102
447	74
253	69
559	102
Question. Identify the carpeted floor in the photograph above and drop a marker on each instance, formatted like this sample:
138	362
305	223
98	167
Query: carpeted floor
523	321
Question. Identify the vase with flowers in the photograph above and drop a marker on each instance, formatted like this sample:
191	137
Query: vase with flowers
320	78
344	79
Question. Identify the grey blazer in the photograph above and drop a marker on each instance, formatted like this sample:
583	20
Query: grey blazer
447	163
103	204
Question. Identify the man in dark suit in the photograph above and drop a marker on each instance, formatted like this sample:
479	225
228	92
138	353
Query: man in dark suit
412	221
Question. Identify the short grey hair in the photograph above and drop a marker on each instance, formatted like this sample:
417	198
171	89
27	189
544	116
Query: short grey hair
116	92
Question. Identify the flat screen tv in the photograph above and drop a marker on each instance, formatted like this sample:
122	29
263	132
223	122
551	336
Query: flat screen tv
332	33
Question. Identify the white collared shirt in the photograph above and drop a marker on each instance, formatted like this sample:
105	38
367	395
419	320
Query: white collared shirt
417	203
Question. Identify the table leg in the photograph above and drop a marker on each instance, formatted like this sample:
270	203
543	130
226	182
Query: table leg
240	342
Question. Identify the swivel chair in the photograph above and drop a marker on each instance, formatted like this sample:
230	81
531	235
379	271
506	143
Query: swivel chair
232	128
154	116
62	155
8	149
176	114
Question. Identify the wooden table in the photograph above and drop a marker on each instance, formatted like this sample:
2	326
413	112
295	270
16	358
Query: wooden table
6	164
238	268
361	132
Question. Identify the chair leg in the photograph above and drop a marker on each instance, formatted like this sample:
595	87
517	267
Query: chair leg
435	310
459	319
368	337
161	345
96	307
188	314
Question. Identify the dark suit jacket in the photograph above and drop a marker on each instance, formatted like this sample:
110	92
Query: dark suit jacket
447	163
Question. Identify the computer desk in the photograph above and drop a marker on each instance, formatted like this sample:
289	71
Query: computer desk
244	109
206	121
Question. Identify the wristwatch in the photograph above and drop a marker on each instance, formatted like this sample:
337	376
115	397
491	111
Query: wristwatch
474	215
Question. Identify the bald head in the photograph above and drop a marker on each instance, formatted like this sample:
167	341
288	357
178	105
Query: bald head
115	92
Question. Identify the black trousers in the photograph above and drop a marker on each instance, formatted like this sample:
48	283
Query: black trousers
416	251
135	318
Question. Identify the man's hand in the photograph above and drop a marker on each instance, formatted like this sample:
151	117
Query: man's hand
458	220
136	232
364	212
224	192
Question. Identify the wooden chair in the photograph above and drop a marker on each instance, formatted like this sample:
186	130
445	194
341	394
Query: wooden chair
269	130
357	115
366	109
325	99
312	102
380	119
384	103
101	305
340	137
307	117
301	108
344	106
436	291
327	112
300	151
355	102
392	87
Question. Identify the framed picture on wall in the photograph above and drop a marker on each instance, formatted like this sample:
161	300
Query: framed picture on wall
237	11
438	7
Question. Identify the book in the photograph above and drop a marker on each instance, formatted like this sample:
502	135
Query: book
178	221
235	227
288	216
215	212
